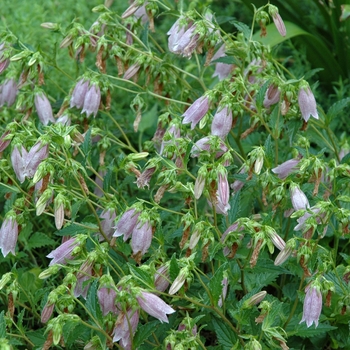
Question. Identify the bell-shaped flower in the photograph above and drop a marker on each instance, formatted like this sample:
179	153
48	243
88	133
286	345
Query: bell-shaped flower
196	111
298	198
161	278
64	252
26	163
92	100
47	312
277	19
141	238
126	223
108	216
106	298
222	122
307	103
78	94
8	92
154	306
144	179
286	168
223	192
312	306
131	71
205	144
84	274
175	34
9	234
125	327
222	70
43	108
272	96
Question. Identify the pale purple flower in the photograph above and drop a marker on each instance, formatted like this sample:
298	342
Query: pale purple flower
154	306
141	238
224	284
284	169
238	184
63	253
312	306
125	328
302	220
126	224
43	108
106	298
277	19
131	71
131	9
199	186
223	193
161	278
108	216
78	94
232	228
307	103
283	255
5	140
9	235
26	163
277	240
222	70
47	311
196	111
222	122
92	100
175	33
144	179
204	145
142	14
83	275
298	198
272	96
8	92
64	120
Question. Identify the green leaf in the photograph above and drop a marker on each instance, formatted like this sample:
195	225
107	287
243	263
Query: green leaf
242	27
337	107
144	35
173	268
36	337
141	275
269	150
75	229
301	330
2	325
226	337
345	159
235	209
92	303
215	284
226	60
260	96
87	145
39	239
108	177
144	332
148	119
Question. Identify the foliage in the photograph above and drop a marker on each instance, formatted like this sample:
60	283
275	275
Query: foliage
187	188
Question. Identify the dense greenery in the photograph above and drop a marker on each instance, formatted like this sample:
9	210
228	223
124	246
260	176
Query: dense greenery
177	174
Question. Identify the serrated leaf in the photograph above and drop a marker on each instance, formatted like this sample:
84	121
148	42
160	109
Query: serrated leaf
2	325
75	229
144	35
92	302
345	159
107	179
226	337
242	27
141	275
173	268
87	145
301	330
337	107
39	239
36	337
144	332
235	209
215	284
226	60
269	150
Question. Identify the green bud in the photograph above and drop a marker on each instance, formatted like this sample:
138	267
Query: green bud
5	279
42	201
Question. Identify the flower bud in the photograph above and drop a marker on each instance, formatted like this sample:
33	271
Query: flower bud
254	300
43	108
307	103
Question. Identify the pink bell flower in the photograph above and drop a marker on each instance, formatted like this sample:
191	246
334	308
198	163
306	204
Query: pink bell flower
222	122
106	298
44	109
195	113
64	252
9	234
92	100
141	238
125	327
78	94
312	306
307	103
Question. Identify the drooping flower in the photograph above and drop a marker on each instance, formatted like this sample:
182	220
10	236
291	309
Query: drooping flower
222	70
126	223
312	306
161	278
144	179
131	71
298	198
125	328
43	108
26	163
154	306
8	92
92	100
302	220
204	144
83	275
284	169
141	238
106	298
9	234
277	19
64	252
107	216
47	312
223	193
78	94
222	122
196	111
307	103
272	96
